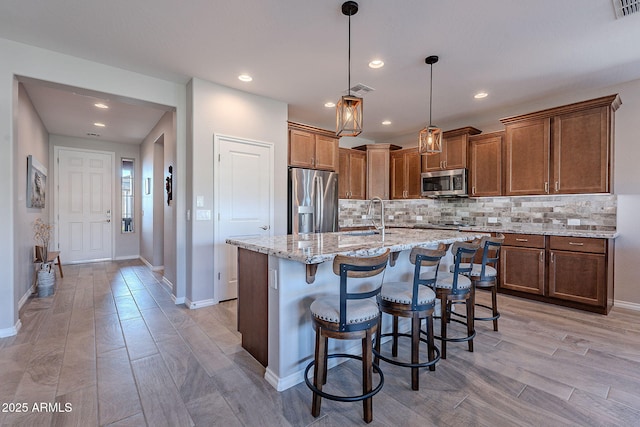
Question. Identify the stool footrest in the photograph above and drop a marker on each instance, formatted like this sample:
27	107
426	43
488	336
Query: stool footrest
315	389
407	364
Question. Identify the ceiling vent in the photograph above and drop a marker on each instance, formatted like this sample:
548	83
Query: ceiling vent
93	134
360	90
626	7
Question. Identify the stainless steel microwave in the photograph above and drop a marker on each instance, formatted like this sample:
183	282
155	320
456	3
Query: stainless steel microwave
448	183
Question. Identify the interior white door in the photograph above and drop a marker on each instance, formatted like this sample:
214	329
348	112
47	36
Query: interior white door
244	203
85	181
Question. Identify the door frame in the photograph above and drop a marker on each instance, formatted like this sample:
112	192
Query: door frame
55	211
217	138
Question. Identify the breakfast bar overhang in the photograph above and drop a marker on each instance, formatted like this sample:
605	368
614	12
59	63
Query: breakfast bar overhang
279	277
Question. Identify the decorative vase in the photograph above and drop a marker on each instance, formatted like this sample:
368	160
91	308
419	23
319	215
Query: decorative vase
46	279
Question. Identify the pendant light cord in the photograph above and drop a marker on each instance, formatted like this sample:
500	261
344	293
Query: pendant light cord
430	93
349	57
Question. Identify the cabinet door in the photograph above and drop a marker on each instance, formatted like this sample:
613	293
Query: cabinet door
455	152
433	162
378	168
579	277
485	166
301	148
326	153
397	190
343	173
412	163
522	269
581	152
527	157
357	175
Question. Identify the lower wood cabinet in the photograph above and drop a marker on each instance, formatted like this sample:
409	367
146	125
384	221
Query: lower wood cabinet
572	271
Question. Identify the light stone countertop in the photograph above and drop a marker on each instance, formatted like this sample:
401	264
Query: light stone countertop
315	248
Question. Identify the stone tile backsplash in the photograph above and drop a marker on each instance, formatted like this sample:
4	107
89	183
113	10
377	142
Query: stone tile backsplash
592	212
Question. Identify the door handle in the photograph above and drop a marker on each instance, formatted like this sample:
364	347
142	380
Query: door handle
264	227
108	220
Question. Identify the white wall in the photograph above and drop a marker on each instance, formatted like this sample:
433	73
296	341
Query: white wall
125	245
33	139
221	110
159	220
24	60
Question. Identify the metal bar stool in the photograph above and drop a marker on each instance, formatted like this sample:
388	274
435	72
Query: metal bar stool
455	288
353	314
414	300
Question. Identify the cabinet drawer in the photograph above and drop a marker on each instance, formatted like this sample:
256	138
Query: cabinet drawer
578	244
524	240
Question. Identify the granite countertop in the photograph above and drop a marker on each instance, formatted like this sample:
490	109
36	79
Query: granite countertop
320	247
600	234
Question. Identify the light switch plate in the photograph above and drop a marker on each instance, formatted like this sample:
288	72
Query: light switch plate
203	215
200	201
492	220
573	221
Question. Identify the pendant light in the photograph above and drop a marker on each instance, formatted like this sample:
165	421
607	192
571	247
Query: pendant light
349	108
430	139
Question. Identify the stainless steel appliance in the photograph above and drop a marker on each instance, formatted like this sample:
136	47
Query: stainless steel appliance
313	201
447	183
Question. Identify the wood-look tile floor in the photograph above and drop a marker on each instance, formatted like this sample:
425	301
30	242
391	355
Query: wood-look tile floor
111	348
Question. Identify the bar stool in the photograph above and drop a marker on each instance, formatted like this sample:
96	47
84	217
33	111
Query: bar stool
414	300
353	314
485	276
455	288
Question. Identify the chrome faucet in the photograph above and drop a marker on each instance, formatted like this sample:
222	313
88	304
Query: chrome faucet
381	228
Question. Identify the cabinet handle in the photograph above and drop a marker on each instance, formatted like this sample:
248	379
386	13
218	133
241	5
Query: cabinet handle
557	186
553	257
473	190
546	187
444	164
521	240
576	244
542	256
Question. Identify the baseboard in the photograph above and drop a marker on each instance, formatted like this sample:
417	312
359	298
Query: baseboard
149	265
166	282
26	296
628	305
9	332
199	304
126	258
176	301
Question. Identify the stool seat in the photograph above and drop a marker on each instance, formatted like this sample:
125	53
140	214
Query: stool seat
445	281
476	270
402	292
358	311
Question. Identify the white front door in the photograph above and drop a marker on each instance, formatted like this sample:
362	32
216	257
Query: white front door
244	203
85	213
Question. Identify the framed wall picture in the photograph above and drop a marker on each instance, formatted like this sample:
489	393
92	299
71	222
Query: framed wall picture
36	183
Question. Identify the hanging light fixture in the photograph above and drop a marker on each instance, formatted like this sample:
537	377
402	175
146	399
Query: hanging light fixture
349	108
430	139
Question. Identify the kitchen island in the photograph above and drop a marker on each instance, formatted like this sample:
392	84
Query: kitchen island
279	277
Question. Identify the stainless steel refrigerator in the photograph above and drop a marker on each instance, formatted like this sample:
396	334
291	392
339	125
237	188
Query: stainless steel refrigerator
313	201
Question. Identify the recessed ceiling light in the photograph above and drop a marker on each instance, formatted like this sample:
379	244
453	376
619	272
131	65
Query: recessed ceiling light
101	105
386	122
100	125
480	95
329	104
245	77
376	63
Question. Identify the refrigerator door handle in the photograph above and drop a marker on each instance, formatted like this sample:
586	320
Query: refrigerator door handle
319	211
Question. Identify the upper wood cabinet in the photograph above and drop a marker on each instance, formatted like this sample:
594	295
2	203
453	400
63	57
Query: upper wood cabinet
485	164
405	174
563	150
454	151
378	170
352	174
312	148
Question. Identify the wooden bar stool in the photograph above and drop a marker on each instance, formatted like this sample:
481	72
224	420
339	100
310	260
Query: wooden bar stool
351	315
485	276
455	288
414	300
